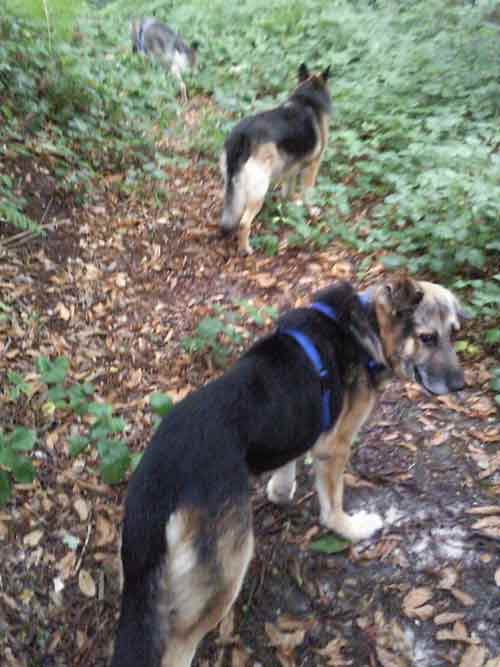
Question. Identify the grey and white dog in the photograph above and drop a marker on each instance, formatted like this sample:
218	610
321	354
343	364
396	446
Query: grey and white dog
157	40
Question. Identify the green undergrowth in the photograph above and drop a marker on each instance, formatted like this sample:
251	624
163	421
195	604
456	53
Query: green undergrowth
75	108
96	430
412	169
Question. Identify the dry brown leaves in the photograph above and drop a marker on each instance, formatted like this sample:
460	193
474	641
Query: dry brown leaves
415	604
286	635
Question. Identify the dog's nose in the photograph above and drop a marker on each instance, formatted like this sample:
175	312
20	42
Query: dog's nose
456	380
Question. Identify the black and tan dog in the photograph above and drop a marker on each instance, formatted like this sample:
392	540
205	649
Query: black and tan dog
416	323
275	145
187	533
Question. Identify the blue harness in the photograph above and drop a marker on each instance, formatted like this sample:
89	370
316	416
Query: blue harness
314	357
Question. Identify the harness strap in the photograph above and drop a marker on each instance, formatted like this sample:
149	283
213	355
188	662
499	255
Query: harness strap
314	357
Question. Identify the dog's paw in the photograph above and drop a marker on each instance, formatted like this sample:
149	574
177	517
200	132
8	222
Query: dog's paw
246	251
279	493
354	527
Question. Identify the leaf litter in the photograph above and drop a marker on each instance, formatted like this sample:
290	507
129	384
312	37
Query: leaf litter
116	291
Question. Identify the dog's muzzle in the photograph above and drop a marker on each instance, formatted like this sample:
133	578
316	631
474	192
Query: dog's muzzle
452	381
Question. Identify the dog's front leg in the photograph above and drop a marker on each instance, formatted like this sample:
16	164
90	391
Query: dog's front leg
281	487
329	469
308	181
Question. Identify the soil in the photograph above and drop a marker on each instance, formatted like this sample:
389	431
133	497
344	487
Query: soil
116	289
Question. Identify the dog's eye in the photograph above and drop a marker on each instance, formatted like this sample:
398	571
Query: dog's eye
428	339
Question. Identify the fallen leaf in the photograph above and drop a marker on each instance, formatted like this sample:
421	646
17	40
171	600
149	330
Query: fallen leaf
474	656
439	438
489	526
105	532
86	584
451	403
448	617
449	635
333	653
484	510
4	531
121	280
483	407
497	577
466	599
414	603
265	280
66	565
63	312
81	508
285	641
239	657
448	578
33	539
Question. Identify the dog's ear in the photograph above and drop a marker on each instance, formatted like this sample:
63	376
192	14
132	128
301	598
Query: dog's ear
303	72
325	74
402	295
364	333
461	311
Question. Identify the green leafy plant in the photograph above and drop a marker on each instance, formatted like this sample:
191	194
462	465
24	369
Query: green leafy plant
161	404
13	463
495	384
330	544
216	336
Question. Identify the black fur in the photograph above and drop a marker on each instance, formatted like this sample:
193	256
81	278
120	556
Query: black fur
262	413
292	127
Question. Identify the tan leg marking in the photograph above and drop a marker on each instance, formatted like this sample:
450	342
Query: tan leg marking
196	595
246	222
331	454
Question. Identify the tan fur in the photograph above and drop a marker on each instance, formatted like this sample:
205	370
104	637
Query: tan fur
331	454
193	599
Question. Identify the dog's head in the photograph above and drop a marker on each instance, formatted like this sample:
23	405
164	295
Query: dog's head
314	87
417	322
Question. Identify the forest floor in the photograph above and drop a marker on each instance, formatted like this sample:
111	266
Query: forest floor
116	288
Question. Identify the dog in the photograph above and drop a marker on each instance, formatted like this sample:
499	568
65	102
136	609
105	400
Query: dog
416	322
187	537
279	144
155	39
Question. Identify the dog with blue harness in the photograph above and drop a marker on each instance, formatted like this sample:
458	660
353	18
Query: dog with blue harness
187	536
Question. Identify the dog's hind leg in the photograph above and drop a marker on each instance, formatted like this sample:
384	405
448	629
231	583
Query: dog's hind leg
205	568
255	180
282	486
331	454
249	214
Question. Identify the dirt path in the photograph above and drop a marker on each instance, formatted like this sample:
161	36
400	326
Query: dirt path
116	291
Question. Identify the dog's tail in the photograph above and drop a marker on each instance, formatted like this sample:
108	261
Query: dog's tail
138	640
237	150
